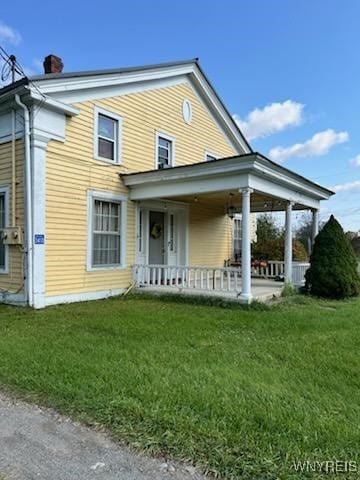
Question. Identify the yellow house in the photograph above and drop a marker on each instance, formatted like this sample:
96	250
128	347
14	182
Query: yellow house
130	176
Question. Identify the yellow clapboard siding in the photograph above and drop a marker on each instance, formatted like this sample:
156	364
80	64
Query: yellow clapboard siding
72	170
210	242
13	281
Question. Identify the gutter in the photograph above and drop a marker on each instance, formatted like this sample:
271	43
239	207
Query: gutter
29	209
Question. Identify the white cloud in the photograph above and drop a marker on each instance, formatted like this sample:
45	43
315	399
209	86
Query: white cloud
9	34
355	162
319	144
270	119
347	187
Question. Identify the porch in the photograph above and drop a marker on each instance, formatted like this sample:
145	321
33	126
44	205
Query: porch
173	240
266	282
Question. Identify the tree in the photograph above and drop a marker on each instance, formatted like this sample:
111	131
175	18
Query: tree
266	228
333	265
270	244
303	232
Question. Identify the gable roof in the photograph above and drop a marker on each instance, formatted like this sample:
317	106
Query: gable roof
70	87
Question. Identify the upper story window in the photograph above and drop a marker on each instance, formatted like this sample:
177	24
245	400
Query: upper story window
3	223
165	151
107	136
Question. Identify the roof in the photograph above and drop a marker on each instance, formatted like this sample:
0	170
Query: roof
226	174
14	86
273	164
110	71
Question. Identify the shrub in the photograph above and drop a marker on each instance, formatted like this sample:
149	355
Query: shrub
333	265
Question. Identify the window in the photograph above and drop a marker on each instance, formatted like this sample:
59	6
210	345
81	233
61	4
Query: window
106	232
140	231
107	136
209	157
165	149
172	239
3	224
237	237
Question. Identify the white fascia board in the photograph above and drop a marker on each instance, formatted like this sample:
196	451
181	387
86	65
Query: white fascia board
226	174
277	190
52	86
189	172
291	180
53	104
185	187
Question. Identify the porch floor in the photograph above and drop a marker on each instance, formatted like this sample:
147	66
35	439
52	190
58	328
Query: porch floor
262	290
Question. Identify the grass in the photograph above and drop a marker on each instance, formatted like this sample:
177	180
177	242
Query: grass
241	393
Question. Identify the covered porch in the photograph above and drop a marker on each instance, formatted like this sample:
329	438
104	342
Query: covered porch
184	218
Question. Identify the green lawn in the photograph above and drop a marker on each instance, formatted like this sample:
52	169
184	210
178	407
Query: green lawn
242	393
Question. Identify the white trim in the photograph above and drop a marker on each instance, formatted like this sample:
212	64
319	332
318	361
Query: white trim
5	190
187	111
110	197
38	150
212	154
17	299
226	174
169	138
118	140
76	89
6	133
83	297
166	207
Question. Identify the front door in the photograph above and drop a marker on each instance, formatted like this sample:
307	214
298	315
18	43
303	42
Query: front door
156	238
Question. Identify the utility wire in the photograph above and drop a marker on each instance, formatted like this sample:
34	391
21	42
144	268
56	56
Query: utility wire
11	64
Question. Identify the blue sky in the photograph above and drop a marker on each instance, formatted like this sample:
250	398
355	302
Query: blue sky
288	70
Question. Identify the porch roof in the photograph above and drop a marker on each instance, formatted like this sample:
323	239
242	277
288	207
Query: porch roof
251	170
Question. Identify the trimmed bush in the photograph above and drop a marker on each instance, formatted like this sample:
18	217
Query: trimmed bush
333	265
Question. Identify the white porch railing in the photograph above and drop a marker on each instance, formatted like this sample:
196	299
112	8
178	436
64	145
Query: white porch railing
272	269
298	273
276	268
227	279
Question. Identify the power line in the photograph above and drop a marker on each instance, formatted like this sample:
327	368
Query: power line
12	66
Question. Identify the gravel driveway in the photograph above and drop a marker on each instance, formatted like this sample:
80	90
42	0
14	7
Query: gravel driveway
38	443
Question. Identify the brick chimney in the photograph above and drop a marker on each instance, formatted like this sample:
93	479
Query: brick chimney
53	64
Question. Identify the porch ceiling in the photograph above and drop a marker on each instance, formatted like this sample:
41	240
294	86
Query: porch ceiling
259	201
272	183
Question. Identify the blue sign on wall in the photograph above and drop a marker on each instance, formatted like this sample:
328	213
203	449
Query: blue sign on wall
39	239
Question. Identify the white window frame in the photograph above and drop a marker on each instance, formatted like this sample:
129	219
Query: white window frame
118	142
169	138
5	191
211	154
237	218
93	195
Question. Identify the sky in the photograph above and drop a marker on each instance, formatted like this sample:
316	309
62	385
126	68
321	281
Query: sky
287	70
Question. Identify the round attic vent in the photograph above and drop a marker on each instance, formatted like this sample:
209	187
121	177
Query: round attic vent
187	111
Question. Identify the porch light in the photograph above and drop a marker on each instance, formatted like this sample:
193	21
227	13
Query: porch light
231	210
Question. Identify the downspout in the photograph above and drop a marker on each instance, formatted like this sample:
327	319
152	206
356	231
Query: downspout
28	197
13	170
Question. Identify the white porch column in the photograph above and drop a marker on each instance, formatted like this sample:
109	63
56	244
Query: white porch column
315	224
245	247
288	243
